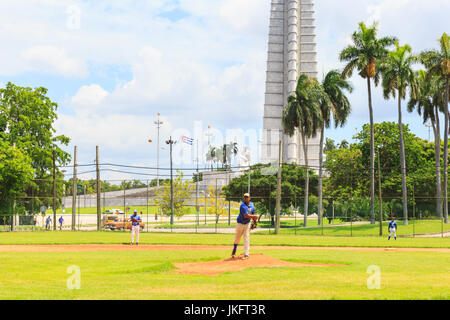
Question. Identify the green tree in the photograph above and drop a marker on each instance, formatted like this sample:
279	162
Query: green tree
27	117
336	105
363	55
329	145
438	65
264	188
16	174
348	174
214	202
181	195
398	75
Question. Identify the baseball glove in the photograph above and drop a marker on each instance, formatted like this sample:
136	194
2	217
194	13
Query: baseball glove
253	224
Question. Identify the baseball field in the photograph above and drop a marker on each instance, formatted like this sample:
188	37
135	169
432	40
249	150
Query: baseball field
101	265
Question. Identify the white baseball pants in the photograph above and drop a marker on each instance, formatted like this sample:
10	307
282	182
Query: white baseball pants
135	231
243	230
392	231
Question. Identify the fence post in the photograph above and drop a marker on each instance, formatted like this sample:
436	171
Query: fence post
54	190
229	213
99	188
351	224
322	224
295	216
124	208
206	203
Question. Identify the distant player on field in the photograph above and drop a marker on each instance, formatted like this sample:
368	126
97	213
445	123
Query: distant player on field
61	221
246	214
135	220
392	228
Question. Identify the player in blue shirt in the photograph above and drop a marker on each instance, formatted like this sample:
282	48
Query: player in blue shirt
61	220
392	229
246	214
135	220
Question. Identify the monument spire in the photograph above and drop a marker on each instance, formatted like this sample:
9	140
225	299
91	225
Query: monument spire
291	52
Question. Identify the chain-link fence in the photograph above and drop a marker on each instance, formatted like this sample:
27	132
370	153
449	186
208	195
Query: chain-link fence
210	207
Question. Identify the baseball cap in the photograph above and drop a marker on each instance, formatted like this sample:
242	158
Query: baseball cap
246	195
135	211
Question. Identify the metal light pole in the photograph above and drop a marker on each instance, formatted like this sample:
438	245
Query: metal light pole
158	125
171	143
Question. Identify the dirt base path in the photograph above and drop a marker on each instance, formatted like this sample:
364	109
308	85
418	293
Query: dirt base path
126	247
210	268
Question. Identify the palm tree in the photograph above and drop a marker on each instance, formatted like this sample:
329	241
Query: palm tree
334	104
329	145
438	64
363	55
302	112
344	144
429	100
397	76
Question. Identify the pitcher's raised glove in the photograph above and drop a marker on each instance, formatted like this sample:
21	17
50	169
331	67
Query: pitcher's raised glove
253	224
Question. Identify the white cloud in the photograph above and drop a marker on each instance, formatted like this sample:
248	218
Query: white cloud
245	15
53	60
89	96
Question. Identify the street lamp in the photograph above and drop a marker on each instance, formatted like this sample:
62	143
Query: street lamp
171	143
158	125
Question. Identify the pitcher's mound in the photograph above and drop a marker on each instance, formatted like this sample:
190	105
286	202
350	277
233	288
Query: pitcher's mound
233	265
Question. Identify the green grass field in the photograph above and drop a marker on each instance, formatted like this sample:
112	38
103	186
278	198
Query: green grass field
143	274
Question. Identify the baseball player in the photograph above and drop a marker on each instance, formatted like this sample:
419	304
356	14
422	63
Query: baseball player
135	220
392	229
246	214
61	221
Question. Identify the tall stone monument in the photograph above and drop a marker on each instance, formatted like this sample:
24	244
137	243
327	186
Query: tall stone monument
292	52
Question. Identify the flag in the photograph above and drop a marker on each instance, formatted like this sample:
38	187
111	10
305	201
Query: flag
187	140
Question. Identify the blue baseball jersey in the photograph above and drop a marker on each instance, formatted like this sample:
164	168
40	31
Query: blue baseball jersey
245	209
138	218
393	225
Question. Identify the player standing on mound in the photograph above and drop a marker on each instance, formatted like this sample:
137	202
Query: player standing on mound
392	229
135	220
246	214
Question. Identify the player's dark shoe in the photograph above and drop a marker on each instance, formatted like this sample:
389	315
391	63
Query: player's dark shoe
233	256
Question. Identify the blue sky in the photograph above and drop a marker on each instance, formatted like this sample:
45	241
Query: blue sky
113	65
